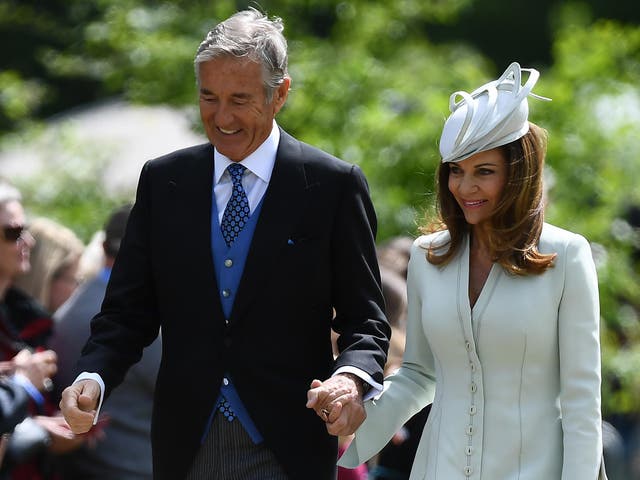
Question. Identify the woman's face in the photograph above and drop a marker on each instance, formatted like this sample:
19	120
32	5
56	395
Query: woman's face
14	252
477	184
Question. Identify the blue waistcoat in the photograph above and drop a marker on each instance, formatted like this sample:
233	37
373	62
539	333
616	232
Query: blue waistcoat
229	263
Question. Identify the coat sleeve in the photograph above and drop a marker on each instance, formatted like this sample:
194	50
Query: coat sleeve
356	287
128	320
13	404
408	390
579	350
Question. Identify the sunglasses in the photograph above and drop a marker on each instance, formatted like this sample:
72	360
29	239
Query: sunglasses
13	233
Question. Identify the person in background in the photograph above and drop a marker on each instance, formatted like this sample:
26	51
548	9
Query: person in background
55	258
123	449
394	254
240	250
503	313
18	379
26	327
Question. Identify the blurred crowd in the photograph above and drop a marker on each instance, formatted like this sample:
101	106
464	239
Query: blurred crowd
51	284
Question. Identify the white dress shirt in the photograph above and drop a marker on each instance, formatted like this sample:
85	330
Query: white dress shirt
256	177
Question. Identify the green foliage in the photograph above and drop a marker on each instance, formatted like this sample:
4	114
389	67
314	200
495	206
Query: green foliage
18	98
594	152
76	202
71	189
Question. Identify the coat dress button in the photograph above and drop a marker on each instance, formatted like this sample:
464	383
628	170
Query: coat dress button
468	471
226	293
228	263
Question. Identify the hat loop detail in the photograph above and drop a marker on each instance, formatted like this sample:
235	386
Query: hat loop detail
492	115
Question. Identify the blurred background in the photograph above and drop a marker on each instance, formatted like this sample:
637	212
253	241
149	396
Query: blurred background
90	89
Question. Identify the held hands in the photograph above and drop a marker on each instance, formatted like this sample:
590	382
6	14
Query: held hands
79	403
338	402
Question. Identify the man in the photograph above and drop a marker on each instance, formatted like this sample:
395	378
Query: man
243	268
123	450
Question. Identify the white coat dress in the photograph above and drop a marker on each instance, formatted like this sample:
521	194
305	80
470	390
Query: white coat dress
515	380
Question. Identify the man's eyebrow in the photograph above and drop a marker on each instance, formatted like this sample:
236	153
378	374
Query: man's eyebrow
239	95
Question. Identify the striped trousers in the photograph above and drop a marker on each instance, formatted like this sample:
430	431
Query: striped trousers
228	453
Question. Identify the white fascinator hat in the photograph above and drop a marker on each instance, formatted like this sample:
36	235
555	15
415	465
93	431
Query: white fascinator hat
491	116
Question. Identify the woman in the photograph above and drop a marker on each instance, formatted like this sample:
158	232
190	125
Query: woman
25	327
503	322
55	261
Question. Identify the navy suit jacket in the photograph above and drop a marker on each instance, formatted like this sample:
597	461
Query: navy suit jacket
312	255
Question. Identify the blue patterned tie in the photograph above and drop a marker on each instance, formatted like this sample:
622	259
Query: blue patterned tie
237	211
225	408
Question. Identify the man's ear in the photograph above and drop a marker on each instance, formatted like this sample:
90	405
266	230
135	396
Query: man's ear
281	93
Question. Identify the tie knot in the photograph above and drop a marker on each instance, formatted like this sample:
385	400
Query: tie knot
236	170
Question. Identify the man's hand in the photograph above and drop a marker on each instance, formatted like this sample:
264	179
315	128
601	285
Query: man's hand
338	401
79	403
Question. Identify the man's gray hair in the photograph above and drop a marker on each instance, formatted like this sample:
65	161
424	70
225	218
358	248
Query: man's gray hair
8	193
252	35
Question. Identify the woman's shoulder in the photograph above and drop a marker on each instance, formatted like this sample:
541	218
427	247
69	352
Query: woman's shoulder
558	240
435	240
553	235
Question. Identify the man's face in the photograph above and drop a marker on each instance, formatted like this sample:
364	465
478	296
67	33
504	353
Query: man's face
14	252
233	106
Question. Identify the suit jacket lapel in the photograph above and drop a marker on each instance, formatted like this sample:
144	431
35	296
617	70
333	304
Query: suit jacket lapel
192	202
283	203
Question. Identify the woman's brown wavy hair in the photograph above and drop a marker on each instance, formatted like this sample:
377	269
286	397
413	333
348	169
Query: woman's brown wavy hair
517	221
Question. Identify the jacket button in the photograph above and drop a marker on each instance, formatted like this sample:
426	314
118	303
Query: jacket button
474	387
468	346
469	451
469	429
468	471
472	410
225	381
228	263
226	293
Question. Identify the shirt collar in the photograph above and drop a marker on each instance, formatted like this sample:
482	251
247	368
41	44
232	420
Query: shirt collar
260	162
